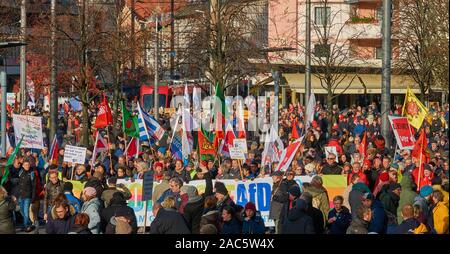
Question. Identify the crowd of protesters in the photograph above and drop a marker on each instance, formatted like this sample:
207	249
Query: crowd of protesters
382	196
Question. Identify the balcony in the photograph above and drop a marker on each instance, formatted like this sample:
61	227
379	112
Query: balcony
363	28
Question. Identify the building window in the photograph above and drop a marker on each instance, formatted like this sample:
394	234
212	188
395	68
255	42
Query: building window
322	15
379	53
322	50
379	13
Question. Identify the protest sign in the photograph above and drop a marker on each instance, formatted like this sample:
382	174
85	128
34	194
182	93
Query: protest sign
241	143
331	149
402	132
236	153
30	127
11	98
75	154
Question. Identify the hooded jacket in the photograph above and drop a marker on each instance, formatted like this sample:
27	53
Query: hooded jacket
440	218
407	195
92	208
116	203
390	202
320	199
255	225
297	221
354	197
379	221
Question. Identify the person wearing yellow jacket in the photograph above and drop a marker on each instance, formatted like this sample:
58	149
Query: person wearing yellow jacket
440	213
437	185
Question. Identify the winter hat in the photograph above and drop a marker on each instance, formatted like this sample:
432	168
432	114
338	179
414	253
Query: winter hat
68	187
301	204
250	206
191	192
89	192
158	164
426	191
394	186
220	188
294	191
360	186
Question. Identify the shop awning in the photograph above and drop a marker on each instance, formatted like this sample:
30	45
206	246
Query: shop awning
399	83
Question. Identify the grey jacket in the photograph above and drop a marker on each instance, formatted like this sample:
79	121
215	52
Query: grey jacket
92	208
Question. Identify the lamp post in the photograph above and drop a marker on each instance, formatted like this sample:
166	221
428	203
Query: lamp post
386	72
4	87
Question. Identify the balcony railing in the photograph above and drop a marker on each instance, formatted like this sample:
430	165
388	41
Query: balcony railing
362	20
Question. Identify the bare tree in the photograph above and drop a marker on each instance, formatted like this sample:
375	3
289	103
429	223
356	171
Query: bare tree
333	59
423	38
221	40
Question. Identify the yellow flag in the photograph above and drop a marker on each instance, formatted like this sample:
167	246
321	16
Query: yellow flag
414	110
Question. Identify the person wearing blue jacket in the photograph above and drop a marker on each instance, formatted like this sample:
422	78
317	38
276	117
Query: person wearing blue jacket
252	223
73	201
379	221
339	217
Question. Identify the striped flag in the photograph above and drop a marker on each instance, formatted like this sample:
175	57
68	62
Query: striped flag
288	155
149	128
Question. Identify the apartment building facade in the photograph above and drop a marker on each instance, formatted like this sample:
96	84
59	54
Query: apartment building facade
347	30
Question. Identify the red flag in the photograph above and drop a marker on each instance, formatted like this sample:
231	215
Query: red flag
420	148
421	154
295	134
228	140
104	116
363	146
288	155
132	149
54	151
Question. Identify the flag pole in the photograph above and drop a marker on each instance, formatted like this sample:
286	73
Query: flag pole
240	169
420	164
109	150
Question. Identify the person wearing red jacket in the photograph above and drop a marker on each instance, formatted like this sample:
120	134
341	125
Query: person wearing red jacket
356	169
425	176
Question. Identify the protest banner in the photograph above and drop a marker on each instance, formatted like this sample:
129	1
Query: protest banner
241	143
241	192
331	149
402	132
75	154
30	127
236	153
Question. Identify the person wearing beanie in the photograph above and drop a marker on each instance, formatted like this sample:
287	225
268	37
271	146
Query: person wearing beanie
314	213
158	171
118	208
390	200
252	223
407	195
423	202
278	199
97	182
193	209
91	207
223	200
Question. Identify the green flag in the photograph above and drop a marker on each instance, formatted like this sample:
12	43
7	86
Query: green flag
219	115
10	162
129	123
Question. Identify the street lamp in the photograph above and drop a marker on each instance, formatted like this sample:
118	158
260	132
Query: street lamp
4	87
